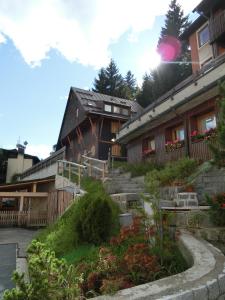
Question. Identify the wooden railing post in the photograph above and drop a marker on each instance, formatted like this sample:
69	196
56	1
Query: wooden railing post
69	172
103	171
79	176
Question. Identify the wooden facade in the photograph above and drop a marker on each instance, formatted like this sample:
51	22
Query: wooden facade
197	149
89	129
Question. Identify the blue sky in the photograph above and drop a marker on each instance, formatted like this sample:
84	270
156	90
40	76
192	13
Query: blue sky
45	48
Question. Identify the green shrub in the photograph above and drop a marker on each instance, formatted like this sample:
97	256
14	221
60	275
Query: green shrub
217	210
63	236
172	172
94	219
137	169
50	278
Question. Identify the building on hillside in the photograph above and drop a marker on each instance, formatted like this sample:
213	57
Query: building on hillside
90	123
178	123
14	162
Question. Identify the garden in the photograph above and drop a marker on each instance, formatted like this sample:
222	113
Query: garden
86	253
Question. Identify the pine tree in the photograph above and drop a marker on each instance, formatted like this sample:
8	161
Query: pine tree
130	86
100	83
218	148
145	95
168	75
110	81
171	73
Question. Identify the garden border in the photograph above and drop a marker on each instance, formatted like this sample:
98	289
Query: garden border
205	279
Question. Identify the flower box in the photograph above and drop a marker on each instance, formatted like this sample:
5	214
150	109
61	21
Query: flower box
174	145
148	152
207	135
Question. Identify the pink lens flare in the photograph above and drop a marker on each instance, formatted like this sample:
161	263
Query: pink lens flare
169	48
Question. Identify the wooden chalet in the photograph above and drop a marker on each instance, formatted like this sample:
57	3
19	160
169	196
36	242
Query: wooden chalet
90	123
179	122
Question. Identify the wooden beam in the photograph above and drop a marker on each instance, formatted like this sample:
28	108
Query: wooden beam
106	142
100	133
23	194
34	187
68	138
93	127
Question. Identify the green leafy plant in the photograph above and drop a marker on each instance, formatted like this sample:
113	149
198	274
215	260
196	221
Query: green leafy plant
218	147
50	278
217	208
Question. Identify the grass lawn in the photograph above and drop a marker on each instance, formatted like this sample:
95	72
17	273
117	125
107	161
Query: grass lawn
84	252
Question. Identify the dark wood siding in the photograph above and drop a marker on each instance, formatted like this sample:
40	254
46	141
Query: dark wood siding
199	150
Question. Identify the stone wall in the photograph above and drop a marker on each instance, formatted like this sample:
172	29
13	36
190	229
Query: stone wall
209	182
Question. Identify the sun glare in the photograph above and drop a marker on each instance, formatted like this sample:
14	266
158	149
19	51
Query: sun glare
149	61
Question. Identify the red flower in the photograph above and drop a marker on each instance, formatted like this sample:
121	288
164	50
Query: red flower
194	133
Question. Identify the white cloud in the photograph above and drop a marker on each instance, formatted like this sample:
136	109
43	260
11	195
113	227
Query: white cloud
41	150
80	30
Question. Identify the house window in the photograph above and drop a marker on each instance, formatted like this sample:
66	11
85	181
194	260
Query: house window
116	109
178	133
125	111
203	36
108	108
206	122
148	146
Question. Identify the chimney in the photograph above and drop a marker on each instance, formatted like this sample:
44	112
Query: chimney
21	149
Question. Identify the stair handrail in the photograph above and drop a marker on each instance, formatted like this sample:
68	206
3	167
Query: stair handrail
89	162
78	170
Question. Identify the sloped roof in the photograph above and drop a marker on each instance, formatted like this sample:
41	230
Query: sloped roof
92	101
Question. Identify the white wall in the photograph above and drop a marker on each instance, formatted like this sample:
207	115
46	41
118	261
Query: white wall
17	165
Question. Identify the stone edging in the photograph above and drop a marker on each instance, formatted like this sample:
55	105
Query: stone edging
205	279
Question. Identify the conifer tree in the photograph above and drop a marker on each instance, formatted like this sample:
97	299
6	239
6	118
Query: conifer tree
169	74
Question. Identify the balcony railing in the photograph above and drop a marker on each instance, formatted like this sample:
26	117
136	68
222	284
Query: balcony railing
217	26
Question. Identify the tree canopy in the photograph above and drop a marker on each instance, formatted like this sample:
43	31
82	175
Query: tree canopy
111	82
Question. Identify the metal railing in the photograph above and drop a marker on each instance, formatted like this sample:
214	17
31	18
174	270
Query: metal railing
95	165
68	169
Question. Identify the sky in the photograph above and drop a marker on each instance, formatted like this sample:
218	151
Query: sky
47	46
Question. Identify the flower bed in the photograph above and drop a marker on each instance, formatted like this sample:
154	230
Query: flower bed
174	145
209	134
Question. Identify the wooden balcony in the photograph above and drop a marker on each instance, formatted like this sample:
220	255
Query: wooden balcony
217	26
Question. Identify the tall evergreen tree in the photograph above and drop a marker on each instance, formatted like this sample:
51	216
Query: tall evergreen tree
109	81
130	86
170	73
145	95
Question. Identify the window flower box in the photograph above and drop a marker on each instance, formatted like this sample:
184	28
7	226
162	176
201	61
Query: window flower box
206	135
174	145
148	152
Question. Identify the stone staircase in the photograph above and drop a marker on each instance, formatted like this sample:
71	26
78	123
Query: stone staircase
125	190
119	182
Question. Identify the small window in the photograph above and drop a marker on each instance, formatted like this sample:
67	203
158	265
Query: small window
148	146
203	36
116	109
108	108
178	133
206	122
125	111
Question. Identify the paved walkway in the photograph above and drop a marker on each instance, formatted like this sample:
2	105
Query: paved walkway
9	239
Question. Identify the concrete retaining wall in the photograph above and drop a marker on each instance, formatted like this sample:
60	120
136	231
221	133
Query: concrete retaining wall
204	280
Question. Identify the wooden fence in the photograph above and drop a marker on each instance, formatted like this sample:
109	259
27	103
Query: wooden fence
57	203
23	218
